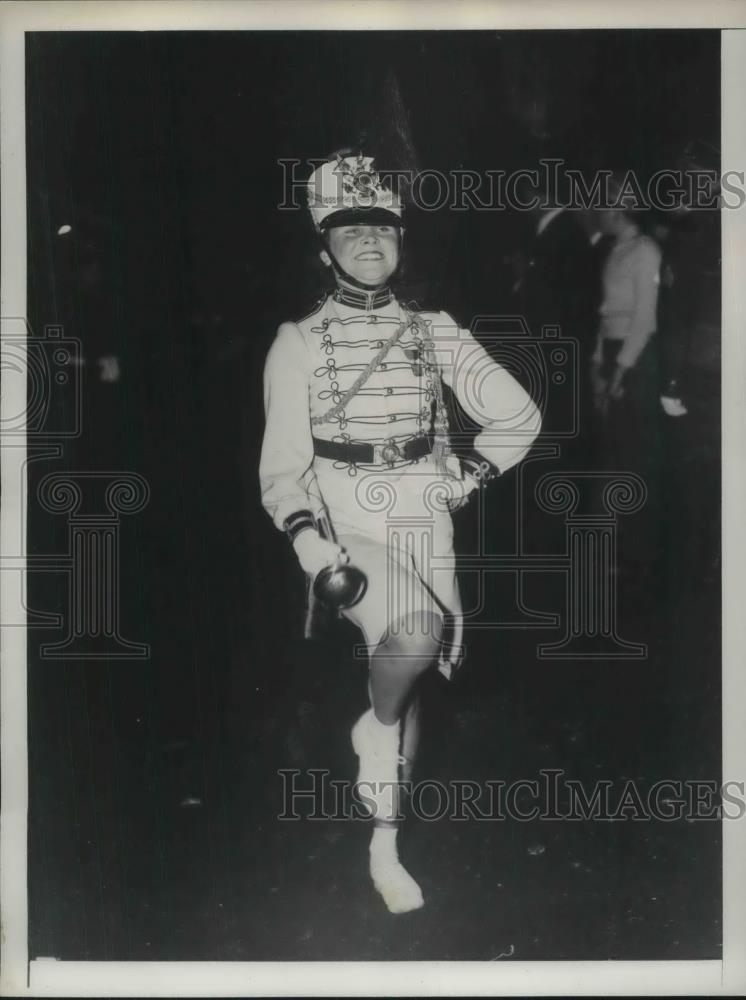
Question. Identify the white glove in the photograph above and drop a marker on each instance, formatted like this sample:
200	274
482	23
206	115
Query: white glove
315	553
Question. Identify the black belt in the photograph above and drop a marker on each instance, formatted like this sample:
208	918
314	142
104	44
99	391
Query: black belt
386	453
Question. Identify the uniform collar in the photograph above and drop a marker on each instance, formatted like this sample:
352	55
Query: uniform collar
359	299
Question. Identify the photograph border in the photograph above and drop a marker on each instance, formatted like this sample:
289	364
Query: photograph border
63	978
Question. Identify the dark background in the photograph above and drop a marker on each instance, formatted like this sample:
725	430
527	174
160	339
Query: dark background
153	785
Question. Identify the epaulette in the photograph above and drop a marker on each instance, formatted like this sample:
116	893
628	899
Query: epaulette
429	308
316	308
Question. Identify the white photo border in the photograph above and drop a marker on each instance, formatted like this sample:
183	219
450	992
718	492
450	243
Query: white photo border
56	978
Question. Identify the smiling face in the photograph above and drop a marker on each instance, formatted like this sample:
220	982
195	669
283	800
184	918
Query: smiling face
370	254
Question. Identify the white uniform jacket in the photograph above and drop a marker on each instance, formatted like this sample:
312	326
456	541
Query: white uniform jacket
314	360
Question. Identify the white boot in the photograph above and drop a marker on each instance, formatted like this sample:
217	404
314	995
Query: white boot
377	746
400	892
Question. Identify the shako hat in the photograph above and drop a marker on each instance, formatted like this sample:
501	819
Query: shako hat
348	190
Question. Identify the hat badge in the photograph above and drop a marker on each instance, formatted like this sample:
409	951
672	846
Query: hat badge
360	181
350	184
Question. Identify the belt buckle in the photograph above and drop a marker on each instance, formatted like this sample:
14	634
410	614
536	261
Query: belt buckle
390	452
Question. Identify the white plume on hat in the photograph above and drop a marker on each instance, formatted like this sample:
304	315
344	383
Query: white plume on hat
349	184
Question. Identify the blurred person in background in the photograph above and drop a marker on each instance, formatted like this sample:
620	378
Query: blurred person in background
623	364
689	321
624	369
689	306
553	271
556	285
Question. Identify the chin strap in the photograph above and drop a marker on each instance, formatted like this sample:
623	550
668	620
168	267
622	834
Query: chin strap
341	274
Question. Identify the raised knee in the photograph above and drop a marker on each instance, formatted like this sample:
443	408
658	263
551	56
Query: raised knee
419	636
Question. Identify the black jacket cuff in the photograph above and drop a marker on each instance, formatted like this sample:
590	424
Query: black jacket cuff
297	522
479	469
